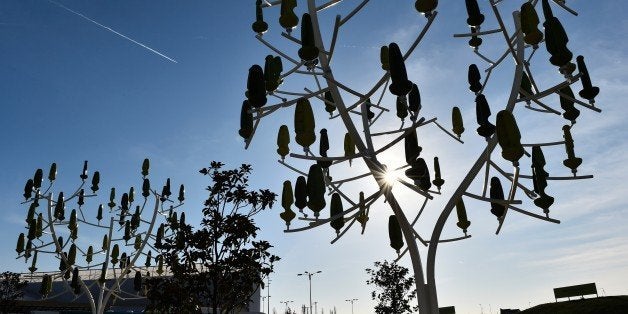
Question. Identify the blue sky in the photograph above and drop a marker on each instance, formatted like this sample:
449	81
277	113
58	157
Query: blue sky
74	91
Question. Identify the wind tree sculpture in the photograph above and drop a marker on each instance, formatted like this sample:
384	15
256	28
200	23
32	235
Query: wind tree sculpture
359	117
127	232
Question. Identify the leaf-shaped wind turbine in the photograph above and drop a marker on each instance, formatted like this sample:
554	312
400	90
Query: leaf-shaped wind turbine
508	136
529	25
287	18
246	121
588	90
256	87
335	208
473	10
572	162
394	233
457	122
300	193
463	222
304	124
323	147
567	104
259	26
283	139
308	51
316	189
287	200
425	7
497	193
482	112
474	77
438	181
400	85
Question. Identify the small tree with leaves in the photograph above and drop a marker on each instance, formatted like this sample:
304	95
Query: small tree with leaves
358	112
171	294
393	285
127	223
220	264
11	286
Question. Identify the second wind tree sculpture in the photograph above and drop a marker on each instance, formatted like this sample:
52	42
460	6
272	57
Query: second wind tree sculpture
359	116
129	225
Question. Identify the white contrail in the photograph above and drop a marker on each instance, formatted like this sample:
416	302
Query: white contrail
113	31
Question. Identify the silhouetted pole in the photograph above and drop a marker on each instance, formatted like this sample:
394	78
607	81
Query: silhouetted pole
268	297
309	276
351	300
286	303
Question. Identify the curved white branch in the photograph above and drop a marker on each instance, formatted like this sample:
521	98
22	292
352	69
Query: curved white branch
491	200
321	221
564	6
421	122
279	52
525	212
567	178
415	189
511	195
448	133
327	5
352	13
530	193
552	90
544	144
492	31
581	103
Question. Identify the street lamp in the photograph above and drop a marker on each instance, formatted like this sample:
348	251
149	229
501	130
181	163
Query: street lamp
315	307
309	276
286	303
351	300
268	296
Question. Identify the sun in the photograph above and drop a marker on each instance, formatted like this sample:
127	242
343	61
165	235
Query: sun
391	176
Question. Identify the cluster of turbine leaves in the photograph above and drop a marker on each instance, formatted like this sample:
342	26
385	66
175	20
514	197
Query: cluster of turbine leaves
506	129
539	179
408	103
308	192
287	19
265	81
474	20
30	245
304	193
503	129
556	40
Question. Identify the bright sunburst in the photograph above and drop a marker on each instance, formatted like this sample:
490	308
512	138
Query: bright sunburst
391	177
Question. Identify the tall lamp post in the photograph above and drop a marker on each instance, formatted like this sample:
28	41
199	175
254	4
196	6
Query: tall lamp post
351	300
286	303
268	297
309	276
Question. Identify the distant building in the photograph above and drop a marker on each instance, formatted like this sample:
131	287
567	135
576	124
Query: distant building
61	299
